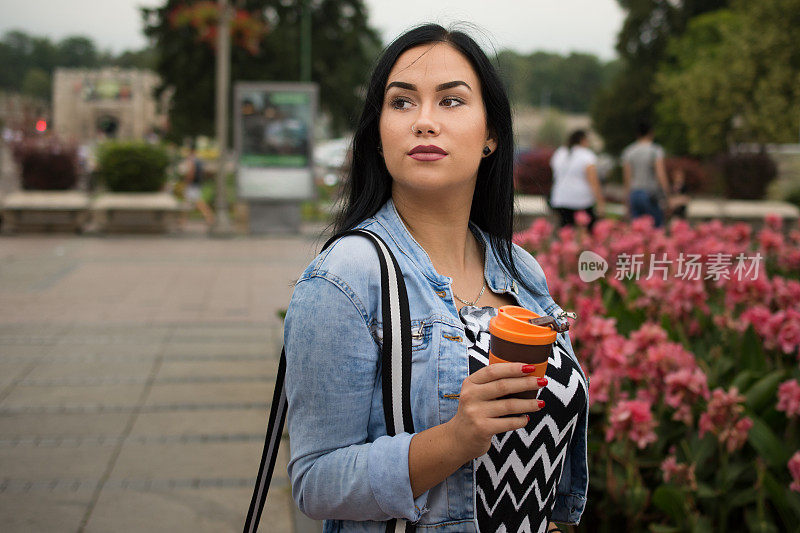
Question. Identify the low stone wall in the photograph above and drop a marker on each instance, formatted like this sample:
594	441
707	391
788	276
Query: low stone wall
529	207
74	211
136	213
45	211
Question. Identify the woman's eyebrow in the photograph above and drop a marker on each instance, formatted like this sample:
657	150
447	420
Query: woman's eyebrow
440	87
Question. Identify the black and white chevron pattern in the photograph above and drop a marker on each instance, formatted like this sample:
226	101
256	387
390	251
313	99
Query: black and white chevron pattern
516	480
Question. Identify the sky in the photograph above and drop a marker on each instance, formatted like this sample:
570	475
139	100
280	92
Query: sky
522	25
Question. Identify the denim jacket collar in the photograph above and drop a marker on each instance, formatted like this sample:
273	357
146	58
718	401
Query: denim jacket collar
495	275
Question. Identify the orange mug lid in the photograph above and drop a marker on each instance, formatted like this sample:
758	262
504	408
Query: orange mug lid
511	324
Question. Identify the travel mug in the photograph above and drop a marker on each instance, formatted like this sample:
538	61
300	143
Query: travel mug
514	339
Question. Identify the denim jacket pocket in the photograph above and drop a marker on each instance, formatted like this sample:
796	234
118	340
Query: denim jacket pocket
420	333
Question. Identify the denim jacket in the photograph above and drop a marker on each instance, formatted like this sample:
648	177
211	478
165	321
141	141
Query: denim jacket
344	468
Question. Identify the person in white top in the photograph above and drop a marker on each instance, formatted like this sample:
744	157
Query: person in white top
576	186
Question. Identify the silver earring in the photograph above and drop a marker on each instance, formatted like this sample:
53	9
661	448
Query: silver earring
487	150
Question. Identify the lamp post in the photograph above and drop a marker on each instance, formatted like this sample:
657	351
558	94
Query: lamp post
222	224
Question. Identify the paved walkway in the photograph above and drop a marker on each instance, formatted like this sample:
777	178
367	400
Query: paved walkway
135	377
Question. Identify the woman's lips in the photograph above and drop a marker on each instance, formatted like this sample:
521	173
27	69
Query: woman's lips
427	156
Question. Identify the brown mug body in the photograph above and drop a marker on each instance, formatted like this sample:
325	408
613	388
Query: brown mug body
515	340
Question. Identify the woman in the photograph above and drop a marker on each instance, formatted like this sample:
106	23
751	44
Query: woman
576	186
432	175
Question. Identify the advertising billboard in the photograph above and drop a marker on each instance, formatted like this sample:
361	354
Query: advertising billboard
273	130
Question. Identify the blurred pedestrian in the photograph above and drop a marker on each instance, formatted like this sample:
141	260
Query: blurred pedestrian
576	186
678	199
193	180
645	176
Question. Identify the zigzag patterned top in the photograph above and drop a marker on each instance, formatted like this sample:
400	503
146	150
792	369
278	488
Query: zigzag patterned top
516	480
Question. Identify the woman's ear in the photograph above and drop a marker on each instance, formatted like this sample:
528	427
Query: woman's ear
491	144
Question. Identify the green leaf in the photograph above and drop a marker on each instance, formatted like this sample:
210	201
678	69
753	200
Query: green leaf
759	526
764	390
703	525
743	379
670	500
735	470
703	450
741	498
705	491
767	444
777	494
752	354
662	528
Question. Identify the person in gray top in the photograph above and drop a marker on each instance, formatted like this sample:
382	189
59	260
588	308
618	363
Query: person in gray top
645	176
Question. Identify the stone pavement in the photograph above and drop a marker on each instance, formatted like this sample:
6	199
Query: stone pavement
135	379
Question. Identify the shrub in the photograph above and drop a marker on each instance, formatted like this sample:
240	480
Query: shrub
793	197
46	164
746	176
694	379
132	166
696	176
532	172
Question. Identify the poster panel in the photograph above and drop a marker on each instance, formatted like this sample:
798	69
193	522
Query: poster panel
274	124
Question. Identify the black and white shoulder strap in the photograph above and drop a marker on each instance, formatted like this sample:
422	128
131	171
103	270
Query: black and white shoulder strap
396	371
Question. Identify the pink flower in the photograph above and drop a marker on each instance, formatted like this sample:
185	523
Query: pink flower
770	241
582	218
660	360
789	333
737	436
632	419
794	470
774	221
681	474
684	388
536	236
748	291
722	419
785	292
602	384
649	334
766	324
789	398
789	259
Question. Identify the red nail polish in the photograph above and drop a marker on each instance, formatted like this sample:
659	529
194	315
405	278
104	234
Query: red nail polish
528	368
542	382
528	418
541	404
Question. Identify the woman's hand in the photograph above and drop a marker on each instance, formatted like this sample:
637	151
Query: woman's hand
481	406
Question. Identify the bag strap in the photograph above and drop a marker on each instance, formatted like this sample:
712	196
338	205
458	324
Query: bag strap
396	380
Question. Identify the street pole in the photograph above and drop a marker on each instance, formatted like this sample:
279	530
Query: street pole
222	224
305	41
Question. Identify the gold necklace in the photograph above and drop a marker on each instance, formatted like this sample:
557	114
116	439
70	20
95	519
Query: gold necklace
483	288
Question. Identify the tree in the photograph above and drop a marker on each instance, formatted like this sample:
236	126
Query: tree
542	78
734	76
641	44
29	61
37	83
343	47
77	51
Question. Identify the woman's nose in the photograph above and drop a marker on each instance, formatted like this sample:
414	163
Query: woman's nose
425	123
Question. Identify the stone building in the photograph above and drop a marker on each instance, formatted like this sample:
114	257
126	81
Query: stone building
107	103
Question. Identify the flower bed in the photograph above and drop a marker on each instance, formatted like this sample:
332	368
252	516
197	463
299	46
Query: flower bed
690	339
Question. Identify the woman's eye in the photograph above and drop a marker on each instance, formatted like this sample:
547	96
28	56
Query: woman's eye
397	103
454	102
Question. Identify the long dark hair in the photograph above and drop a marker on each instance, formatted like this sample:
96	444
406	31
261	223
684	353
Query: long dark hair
575	138
369	184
